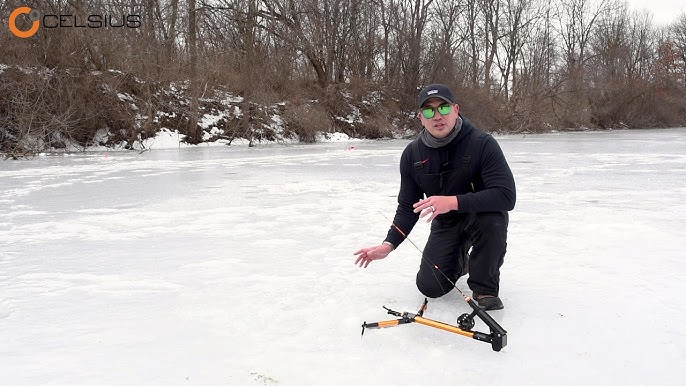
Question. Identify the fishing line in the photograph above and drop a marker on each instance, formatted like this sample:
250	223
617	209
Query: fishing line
426	259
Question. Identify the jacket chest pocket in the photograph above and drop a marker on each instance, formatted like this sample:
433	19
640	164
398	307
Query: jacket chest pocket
451	182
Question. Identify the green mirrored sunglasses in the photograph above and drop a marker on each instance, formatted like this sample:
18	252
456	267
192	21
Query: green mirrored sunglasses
429	112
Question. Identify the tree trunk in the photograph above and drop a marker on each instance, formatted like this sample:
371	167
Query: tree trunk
248	70
194	131
170	43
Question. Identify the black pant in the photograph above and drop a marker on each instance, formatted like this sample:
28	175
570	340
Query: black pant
452	236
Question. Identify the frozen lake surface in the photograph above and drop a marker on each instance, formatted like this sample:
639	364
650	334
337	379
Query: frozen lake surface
234	266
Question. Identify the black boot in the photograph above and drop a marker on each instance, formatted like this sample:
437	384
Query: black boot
488	302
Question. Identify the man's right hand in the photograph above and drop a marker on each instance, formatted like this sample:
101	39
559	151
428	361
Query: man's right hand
367	255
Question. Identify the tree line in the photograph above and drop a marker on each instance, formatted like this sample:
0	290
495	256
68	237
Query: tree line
515	65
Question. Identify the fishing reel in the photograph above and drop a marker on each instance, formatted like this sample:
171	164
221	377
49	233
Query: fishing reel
466	321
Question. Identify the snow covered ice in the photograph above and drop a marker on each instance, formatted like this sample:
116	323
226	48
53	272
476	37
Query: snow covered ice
234	266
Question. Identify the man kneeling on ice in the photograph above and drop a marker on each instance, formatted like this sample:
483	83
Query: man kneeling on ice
469	189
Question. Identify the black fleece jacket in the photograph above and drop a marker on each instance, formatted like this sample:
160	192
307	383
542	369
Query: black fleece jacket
472	167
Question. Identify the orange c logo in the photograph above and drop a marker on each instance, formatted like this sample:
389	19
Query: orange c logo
13	23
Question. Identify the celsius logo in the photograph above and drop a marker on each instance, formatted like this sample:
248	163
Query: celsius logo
33	16
50	21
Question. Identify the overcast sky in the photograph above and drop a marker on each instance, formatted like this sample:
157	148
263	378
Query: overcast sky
664	11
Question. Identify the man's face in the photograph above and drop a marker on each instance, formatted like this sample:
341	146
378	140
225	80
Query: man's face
439	125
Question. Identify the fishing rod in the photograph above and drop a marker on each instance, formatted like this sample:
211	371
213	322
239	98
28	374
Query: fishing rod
497	337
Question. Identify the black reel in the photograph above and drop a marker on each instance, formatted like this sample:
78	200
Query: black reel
466	322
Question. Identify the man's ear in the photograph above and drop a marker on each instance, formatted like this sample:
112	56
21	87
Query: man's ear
457	108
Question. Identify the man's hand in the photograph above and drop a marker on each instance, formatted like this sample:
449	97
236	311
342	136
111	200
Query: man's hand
367	255
435	205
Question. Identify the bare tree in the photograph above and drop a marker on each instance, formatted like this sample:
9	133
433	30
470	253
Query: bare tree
520	18
472	36
578	18
314	29
418	14
194	131
443	42
365	30
249	72
677	33
491	10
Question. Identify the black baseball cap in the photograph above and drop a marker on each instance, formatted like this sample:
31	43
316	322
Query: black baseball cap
435	91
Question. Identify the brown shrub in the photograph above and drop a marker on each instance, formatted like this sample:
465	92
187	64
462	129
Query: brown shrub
306	119
42	109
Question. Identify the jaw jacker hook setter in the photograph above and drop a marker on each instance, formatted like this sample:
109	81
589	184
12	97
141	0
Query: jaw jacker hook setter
465	323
